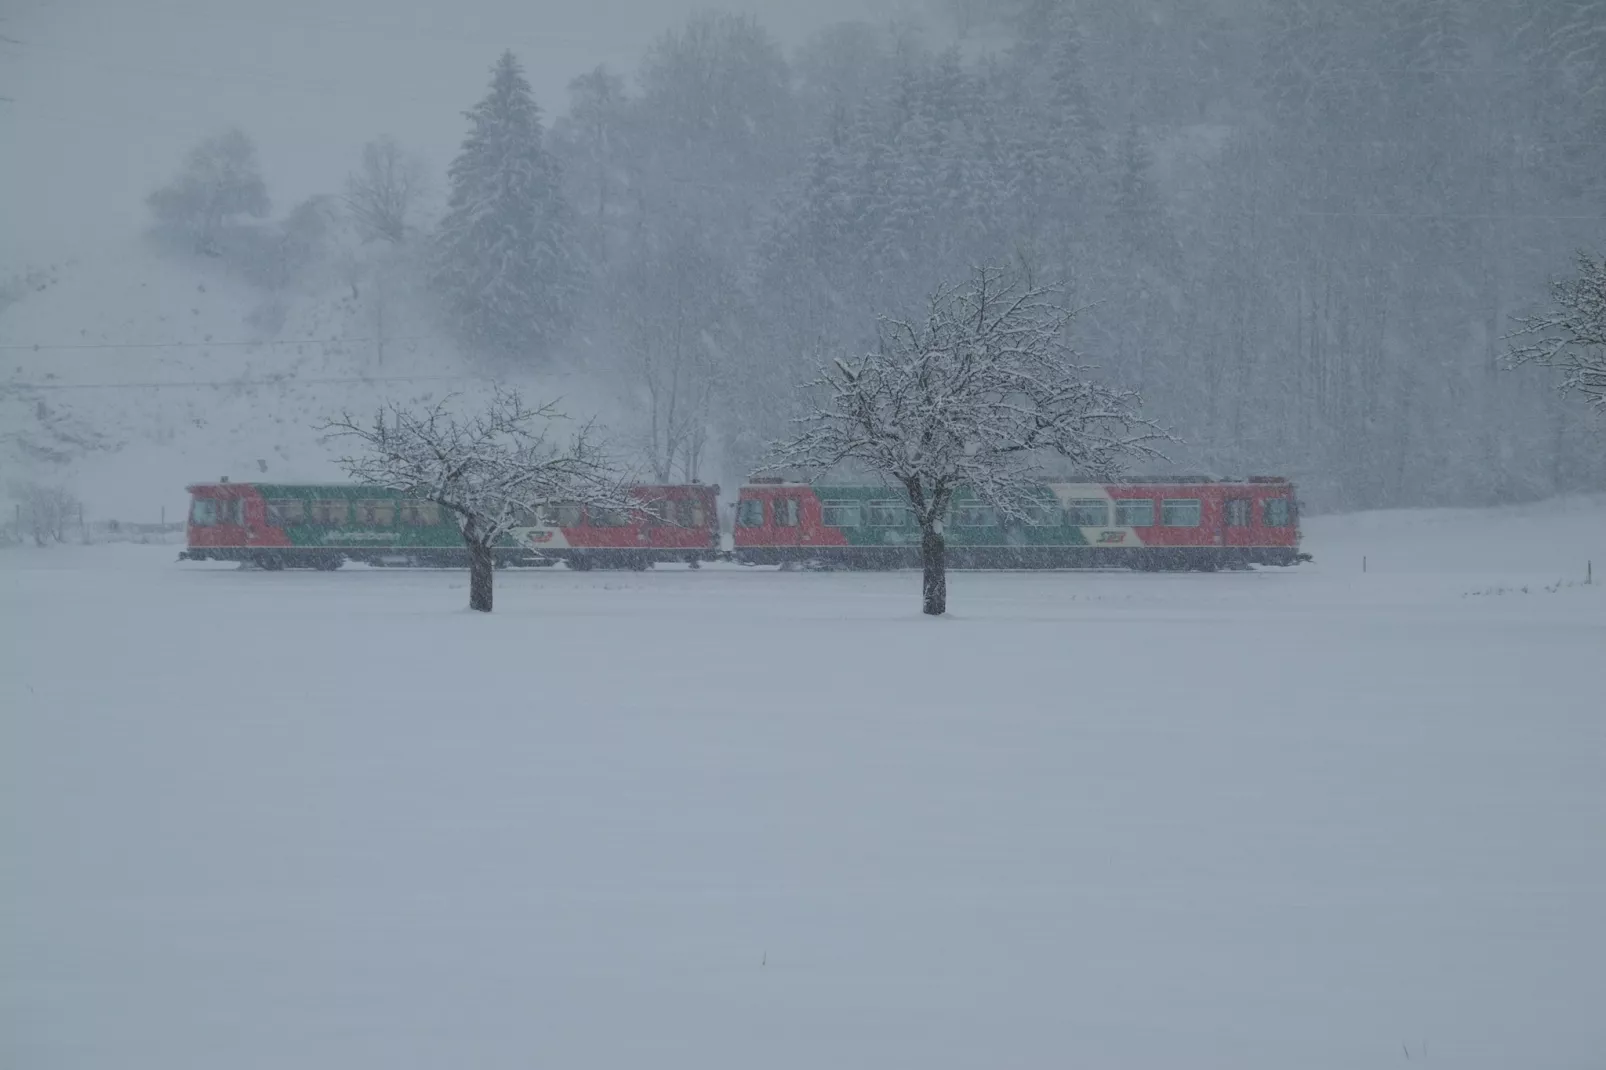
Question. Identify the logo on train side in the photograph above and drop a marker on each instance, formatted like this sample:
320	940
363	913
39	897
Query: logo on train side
539	536
356	536
1112	536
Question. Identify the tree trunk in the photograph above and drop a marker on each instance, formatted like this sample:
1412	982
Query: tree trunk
480	570
934	560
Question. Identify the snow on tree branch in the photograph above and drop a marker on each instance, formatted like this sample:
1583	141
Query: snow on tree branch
1571	336
975	396
491	468
487	466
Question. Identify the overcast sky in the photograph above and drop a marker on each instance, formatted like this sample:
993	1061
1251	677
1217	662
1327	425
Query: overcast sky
106	95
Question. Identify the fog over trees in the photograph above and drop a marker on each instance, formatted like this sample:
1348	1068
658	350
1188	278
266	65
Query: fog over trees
1305	234
1302	232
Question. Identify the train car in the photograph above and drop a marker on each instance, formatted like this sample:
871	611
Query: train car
277	525
1161	524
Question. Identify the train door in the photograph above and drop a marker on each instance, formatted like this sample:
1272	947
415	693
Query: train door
786	516
1237	520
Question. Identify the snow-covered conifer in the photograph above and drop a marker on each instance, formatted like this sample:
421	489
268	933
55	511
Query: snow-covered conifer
508	266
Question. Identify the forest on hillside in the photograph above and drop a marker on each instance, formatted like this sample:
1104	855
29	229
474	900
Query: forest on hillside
1302	232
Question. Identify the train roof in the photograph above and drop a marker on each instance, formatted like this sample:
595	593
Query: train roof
348	487
1165	481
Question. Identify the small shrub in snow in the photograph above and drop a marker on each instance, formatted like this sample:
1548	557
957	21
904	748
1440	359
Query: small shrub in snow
43	511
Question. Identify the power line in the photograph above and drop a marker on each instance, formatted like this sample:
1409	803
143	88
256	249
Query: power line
41	346
282	380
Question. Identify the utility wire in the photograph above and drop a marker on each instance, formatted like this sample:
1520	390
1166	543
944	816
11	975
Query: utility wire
223	384
41	346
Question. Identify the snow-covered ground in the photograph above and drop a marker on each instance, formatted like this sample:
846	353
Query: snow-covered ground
738	818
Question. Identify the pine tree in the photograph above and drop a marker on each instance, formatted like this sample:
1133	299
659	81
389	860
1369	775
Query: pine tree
508	263
1140	214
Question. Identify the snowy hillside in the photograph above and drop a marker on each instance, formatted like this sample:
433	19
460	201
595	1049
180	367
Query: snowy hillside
746	818
1539	542
188	372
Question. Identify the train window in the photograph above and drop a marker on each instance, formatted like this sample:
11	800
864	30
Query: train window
561	514
1179	512
420	514
600	516
1088	513
841	514
750	513
1134	512
1237	512
1276	513
972	513
884	514
785	512
693	515
334	511
203	512
282	512
376	513
1040	514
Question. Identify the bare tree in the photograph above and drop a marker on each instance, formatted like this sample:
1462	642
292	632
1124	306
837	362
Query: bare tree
221	179
674	317
44	510
490	469
1571	336
595	130
382	193
975	397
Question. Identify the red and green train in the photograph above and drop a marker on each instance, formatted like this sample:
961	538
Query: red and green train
280	525
1151	525
1163	524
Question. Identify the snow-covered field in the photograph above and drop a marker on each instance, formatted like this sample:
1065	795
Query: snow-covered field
737	818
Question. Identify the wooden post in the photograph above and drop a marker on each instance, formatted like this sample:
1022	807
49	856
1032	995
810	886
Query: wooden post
1363	562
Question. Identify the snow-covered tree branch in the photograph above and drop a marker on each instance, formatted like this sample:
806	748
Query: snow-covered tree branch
975	396
1571	336
491	468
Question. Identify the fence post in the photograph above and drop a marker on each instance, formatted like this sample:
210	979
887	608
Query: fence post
1363	562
